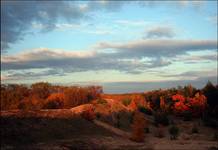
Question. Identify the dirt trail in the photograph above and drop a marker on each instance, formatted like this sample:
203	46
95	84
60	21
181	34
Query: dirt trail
112	129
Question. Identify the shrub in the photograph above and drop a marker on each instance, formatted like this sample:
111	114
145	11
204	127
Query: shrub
131	116
98	115
31	103
215	136
195	129
174	132
138	126
187	115
101	101
147	130
209	122
145	110
88	114
117	123
161	118
126	102
54	101
159	132
213	148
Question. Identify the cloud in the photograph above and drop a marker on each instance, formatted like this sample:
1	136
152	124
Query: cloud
131	22
156	48
29	75
213	19
69	62
17	17
193	58
133	57
160	32
192	74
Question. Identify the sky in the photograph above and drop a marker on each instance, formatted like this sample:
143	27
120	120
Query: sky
125	46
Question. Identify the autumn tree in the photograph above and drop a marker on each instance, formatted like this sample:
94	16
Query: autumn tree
179	103
75	96
138	126
89	114
12	95
211	92
54	101
198	104
189	90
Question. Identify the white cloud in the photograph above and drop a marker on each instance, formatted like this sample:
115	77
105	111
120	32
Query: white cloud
132	22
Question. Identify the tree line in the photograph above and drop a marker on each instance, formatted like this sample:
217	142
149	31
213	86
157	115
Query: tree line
43	95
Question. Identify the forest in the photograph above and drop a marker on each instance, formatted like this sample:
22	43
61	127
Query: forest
180	101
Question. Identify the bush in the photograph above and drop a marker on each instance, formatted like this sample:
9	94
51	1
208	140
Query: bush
195	129
126	102
145	110
215	136
98	115
159	132
117	123
101	101
210	122
88	114
161	118
187	115
147	130
54	101
138	126
174	132
213	148
131	117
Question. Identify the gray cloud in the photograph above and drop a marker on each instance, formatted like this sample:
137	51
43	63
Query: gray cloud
192	74
190	59
124	56
29	75
69	62
157	48
17	17
133	57
160	32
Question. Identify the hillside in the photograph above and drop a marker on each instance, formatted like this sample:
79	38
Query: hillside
66	129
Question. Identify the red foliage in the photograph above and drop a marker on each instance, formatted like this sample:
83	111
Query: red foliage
178	97
196	104
138	126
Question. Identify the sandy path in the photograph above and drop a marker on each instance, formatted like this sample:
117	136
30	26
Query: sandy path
112	129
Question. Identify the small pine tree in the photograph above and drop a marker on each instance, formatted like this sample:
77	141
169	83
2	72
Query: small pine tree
195	129
139	123
174	132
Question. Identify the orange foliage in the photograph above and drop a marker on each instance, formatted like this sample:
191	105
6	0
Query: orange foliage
55	101
198	103
89	114
132	105
44	95
138	126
